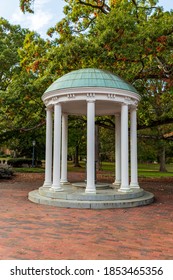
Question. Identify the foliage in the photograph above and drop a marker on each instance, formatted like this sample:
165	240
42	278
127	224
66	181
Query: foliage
26	5
5	173
107	144
33	53
22	113
77	138
11	38
131	38
19	162
139	49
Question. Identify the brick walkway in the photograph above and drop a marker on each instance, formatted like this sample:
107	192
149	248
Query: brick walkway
32	231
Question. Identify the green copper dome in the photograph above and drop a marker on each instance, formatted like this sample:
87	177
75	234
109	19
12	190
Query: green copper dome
90	77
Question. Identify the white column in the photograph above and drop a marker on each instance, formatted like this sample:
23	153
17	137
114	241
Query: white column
90	187
64	149
57	148
124	149
48	164
117	150
133	144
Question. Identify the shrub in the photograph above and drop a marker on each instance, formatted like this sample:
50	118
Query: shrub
19	162
5	173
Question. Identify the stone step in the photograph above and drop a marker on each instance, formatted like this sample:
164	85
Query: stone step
70	193
145	199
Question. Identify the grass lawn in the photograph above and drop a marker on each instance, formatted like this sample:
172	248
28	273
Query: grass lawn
28	170
152	170
144	170
149	170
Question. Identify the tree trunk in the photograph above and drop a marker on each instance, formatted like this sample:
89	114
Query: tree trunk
162	160
76	158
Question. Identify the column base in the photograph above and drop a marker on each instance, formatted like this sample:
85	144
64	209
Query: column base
64	182
56	189
134	185
47	184
117	183
124	189
91	190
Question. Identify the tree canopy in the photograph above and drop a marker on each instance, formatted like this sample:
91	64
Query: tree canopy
133	39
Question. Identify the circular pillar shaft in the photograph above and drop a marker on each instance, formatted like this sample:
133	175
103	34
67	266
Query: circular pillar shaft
64	149
133	144
90	187
117	151
48	164
57	148
124	150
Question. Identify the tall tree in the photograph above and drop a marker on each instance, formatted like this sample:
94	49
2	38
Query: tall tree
22	114
11	39
130	38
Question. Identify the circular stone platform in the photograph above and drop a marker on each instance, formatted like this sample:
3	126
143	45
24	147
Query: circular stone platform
74	197
98	185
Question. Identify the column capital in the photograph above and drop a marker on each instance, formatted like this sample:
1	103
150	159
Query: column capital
65	114
125	102
50	109
117	114
134	106
91	100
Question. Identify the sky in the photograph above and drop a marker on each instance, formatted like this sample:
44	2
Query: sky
47	13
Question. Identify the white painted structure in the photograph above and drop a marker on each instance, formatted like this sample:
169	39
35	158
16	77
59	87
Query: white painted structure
90	92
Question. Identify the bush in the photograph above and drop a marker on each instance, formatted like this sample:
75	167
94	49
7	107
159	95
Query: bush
19	162
4	156
5	173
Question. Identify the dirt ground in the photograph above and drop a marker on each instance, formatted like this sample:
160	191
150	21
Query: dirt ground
33	231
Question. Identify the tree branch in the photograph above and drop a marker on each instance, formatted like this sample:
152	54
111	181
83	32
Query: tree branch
155	123
103	7
34	127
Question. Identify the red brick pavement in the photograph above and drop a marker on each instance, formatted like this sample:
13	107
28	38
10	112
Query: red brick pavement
33	231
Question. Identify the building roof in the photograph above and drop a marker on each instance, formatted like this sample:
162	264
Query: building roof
90	77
